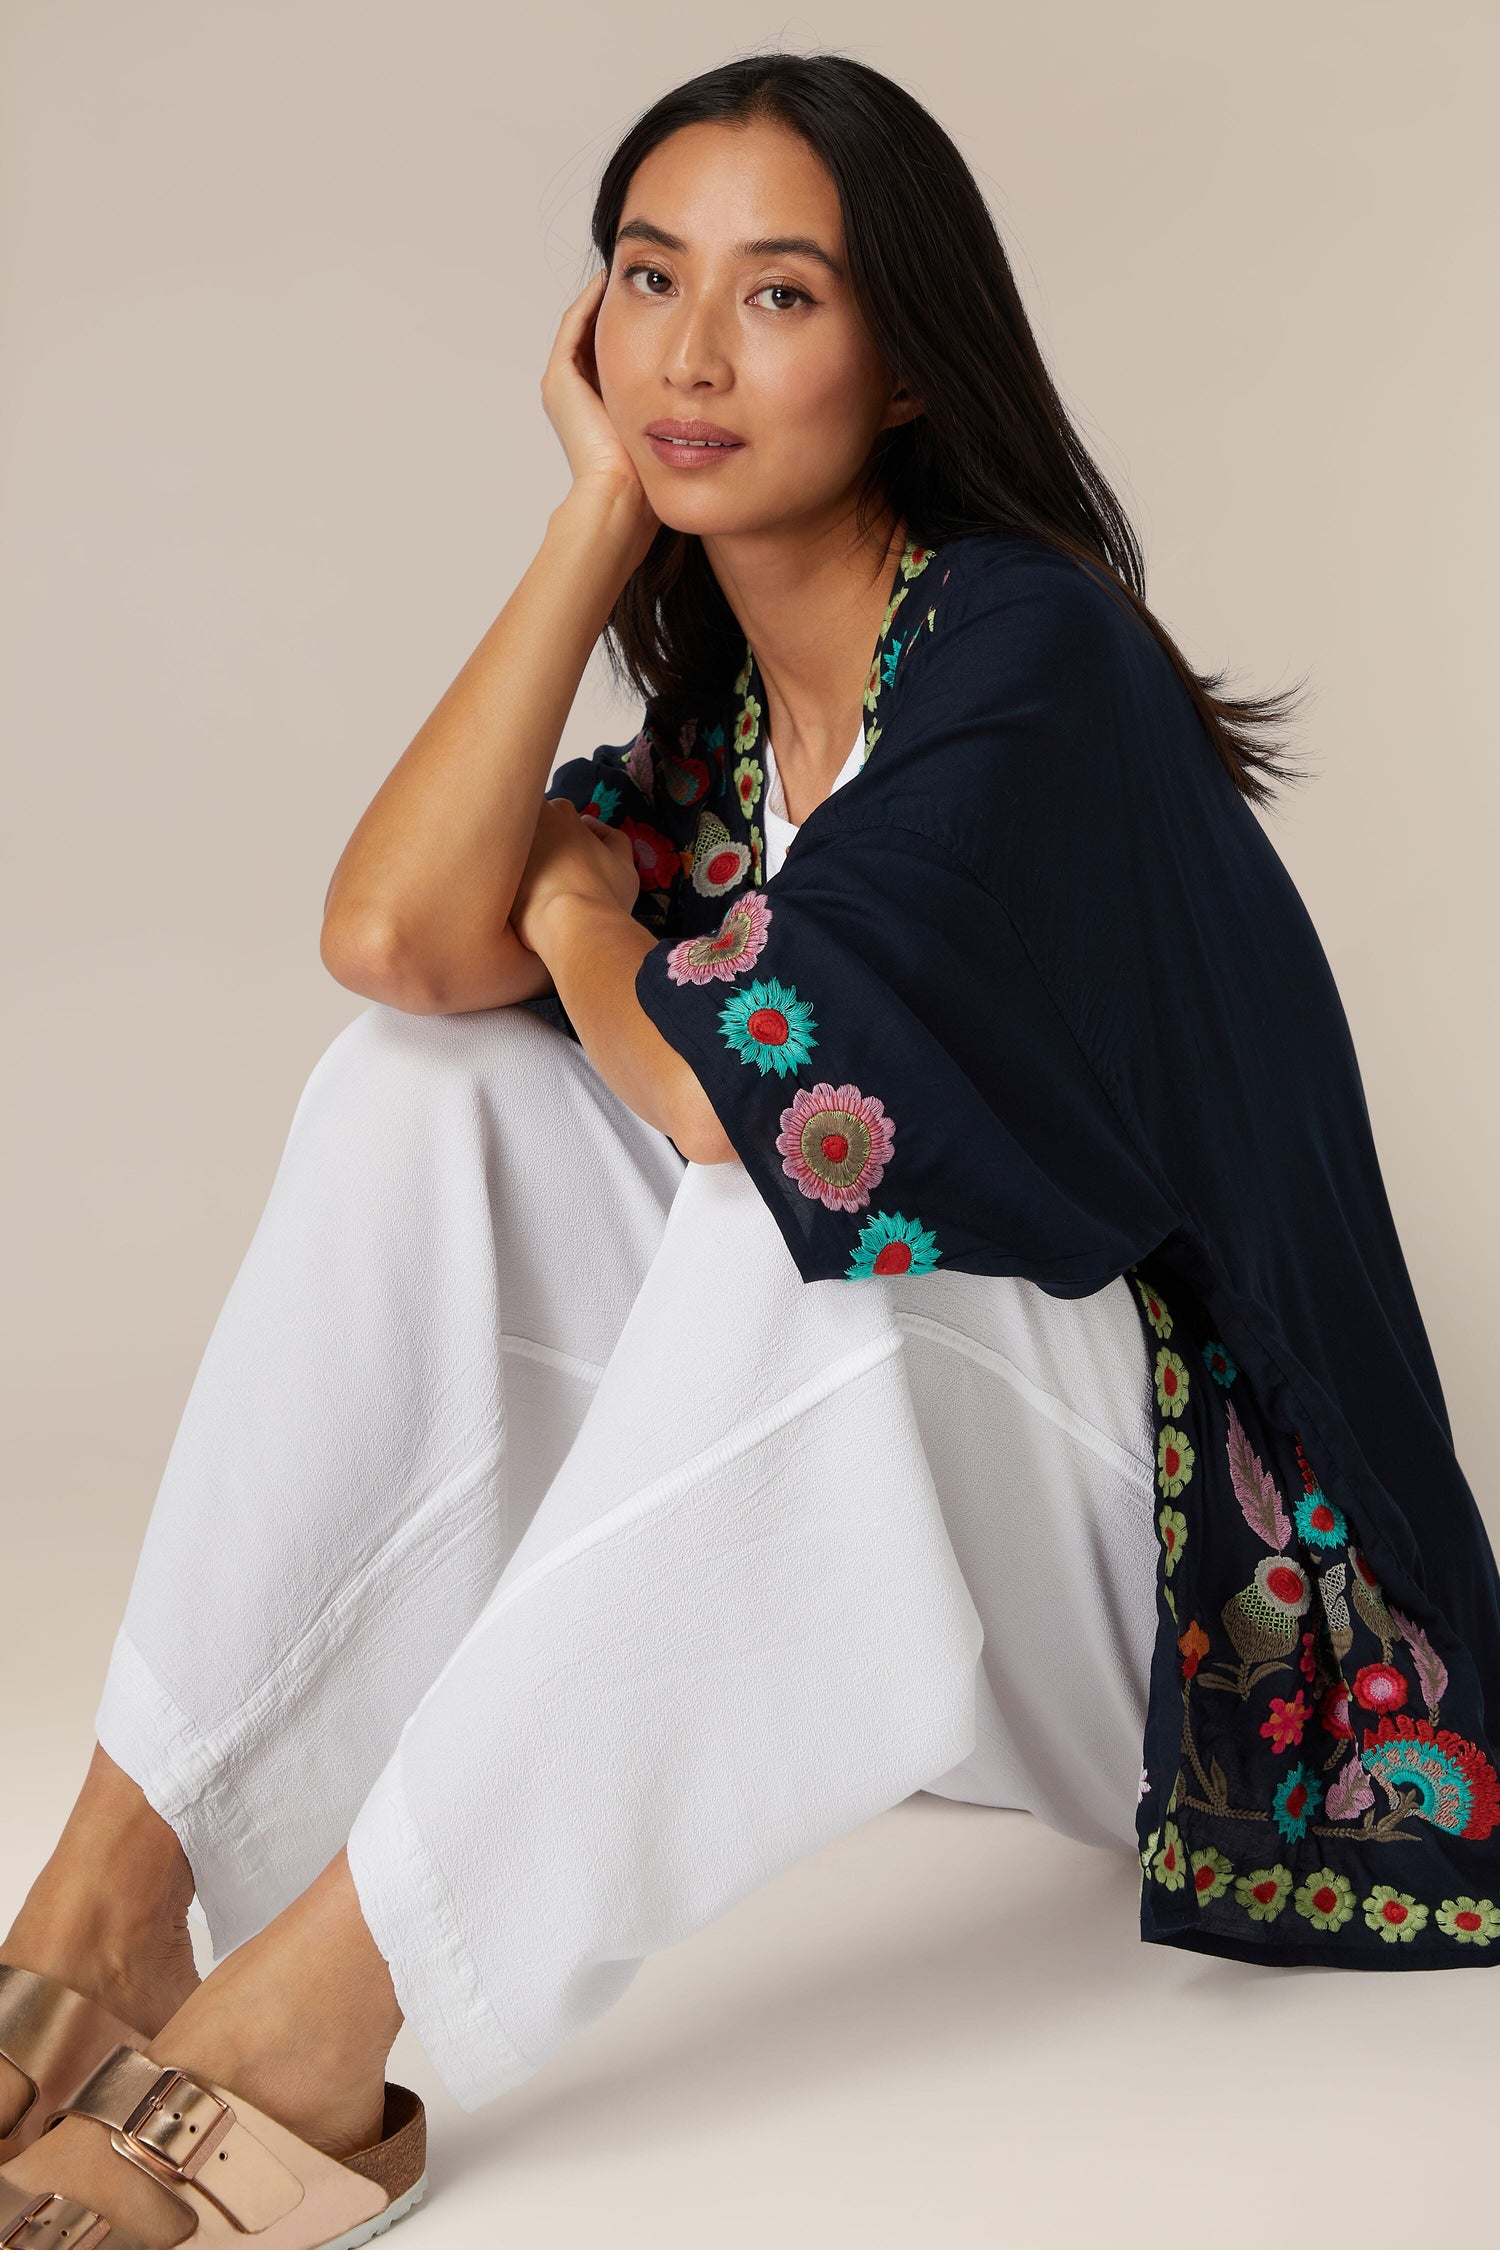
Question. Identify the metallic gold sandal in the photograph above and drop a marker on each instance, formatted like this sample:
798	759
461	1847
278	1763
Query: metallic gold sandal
54	2037
238	2171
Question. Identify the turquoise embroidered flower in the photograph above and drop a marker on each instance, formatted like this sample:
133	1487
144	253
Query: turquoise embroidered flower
1218	1362
766	1024
1264	1892
1295	1801
1473	1921
889	662
605	801
1395	1914
888	1243
1319	1521
1326	1899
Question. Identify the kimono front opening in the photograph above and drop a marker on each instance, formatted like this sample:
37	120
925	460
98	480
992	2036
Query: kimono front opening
1034	995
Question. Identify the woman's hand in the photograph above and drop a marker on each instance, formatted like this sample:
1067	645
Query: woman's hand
576	410
572	854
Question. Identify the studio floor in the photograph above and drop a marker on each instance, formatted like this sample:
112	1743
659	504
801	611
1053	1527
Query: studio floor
943	2028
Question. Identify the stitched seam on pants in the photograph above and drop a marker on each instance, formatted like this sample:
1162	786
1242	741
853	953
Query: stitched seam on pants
428	1882
526	1347
325	1636
1046	1402
677	1483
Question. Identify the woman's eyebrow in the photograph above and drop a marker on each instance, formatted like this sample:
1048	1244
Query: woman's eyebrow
763	246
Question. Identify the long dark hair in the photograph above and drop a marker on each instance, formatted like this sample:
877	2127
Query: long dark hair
993	449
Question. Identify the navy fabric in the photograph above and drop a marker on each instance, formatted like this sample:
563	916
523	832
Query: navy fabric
1033	994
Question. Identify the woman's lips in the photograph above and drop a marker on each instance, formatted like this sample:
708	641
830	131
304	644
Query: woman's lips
693	453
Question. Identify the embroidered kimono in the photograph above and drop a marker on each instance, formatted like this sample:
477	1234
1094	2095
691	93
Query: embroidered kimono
1033	994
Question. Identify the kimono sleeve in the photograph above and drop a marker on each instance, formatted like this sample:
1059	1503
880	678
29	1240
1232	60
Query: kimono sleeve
897	1079
617	783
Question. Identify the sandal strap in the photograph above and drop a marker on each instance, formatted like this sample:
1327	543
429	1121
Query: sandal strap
42	2222
49	2033
178	2130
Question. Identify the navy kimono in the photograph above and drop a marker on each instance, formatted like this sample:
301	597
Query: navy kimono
1033	994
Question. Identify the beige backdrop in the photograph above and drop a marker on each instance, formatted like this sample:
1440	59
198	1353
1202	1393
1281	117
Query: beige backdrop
279	279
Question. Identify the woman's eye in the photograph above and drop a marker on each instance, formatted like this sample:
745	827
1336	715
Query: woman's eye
784	289
632	271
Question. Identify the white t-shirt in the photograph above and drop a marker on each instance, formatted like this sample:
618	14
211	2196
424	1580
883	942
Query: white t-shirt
780	830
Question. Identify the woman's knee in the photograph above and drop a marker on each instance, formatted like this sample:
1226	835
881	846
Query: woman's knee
389	1056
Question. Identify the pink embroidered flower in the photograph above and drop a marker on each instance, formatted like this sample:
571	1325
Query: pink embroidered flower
723	952
638	763
835	1142
1284	1726
657	859
1379	1687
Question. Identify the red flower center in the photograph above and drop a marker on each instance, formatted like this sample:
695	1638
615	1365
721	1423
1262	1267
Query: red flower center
1169	1381
1155	1308
1296	1799
1169	1859
1322	1518
1169	1539
835	1147
894	1257
769	1026
1171	1460
1263	1893
722	866
1204	1879
1324	1899
1468	1921
724	941
1285	1583
1394	1911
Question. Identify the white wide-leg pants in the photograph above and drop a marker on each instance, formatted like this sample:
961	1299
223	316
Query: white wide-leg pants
533	1529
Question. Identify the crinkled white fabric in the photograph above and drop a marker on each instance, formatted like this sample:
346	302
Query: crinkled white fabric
779	830
534	1529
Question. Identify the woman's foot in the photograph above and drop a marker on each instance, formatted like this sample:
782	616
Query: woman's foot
108	1913
299	2020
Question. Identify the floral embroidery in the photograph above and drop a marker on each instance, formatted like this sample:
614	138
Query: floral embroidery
1319	1521
605	803
1218	1362
749	777
747	728
1174	1463
724	952
1263	1892
1351	1794
1325	1898
1379	1687
657	859
1212	1873
639	765
1395	1914
1171	1382
1296	1800
1283	1729
718	863
888	1243
1170	1864
1156	1311
1172	1525
685	779
835	1142
766	1024
757	855
1333	1711
1455	1783
1195	1645
1473	1921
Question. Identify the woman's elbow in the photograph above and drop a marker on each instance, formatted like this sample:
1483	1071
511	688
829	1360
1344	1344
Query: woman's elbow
368	957
698	1135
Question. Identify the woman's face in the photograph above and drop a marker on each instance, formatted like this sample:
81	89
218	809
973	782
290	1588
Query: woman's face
711	317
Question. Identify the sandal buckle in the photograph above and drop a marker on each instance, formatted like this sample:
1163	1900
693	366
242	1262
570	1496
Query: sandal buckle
43	2227
179	2124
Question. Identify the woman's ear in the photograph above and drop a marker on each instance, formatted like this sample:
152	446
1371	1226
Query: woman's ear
904	407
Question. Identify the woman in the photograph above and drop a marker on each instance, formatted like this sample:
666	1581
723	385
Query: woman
547	1555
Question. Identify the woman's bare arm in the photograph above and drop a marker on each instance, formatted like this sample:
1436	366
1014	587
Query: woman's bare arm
417	911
